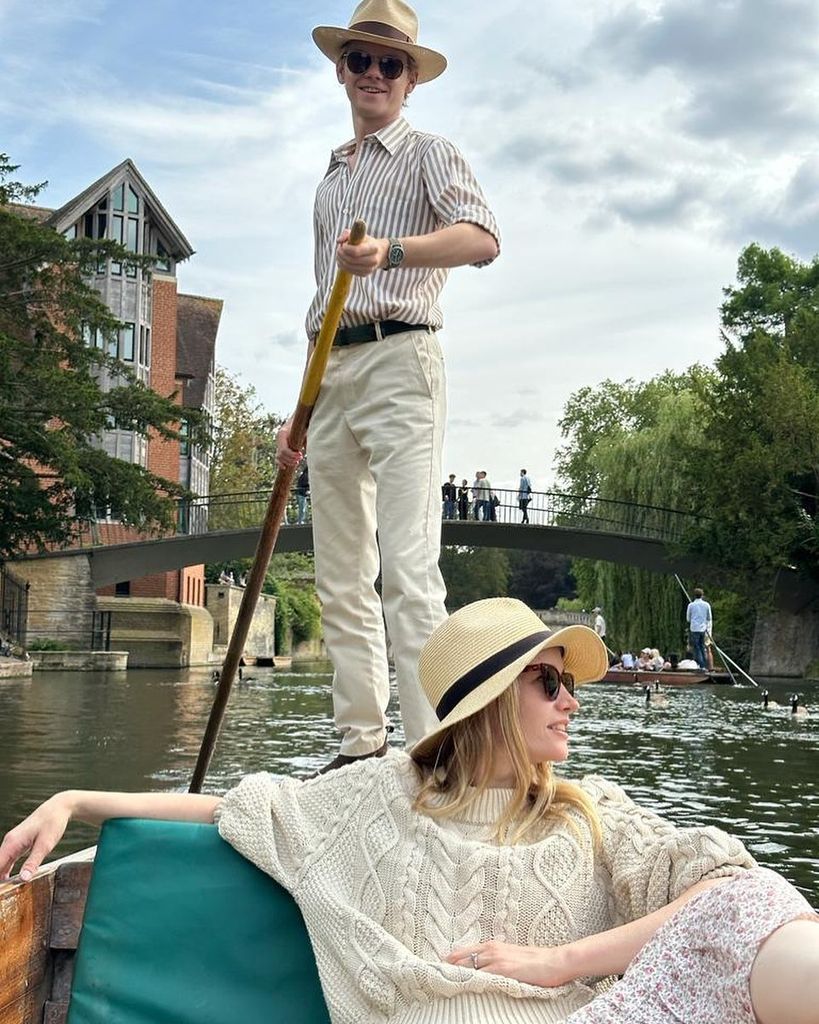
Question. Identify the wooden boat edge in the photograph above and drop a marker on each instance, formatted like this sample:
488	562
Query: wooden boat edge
39	929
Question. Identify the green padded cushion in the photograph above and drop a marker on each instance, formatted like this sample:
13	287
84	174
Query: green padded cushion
181	929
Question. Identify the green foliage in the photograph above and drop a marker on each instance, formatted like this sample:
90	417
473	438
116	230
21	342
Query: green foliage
625	442
738	444
46	643
763	441
243	454
471	574
53	409
539	578
298	616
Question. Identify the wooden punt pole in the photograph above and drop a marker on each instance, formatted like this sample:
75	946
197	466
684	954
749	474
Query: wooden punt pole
275	512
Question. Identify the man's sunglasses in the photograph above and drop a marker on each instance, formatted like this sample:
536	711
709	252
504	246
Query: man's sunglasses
357	63
552	680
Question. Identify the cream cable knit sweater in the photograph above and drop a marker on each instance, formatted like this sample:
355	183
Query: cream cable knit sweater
386	893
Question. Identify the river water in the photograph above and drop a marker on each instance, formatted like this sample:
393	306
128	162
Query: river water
711	757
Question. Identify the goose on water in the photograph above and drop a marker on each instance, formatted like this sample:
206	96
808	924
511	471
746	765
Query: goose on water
655	700
766	703
797	709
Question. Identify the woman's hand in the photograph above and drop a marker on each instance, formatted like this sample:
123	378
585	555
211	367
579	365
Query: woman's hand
35	837
535	965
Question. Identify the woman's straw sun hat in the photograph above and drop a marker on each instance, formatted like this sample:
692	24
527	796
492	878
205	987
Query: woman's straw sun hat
475	654
388	23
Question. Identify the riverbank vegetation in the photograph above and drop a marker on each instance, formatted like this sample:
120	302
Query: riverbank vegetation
737	444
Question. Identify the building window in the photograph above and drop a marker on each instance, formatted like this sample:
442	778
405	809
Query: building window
117	228
132	242
163	259
133	201
70	233
118	198
123	589
185	440
128	343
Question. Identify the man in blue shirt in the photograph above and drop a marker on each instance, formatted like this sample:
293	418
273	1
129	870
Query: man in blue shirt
700	624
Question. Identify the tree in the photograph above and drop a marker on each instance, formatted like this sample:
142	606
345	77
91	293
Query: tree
471	574
244	453
763	439
539	578
625	442
53	406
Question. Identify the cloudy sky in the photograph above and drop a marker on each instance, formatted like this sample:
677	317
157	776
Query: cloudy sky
629	149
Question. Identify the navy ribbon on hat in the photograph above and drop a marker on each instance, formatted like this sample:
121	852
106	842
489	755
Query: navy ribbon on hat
485	670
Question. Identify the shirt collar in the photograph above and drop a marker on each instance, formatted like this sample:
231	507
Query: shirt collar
390	136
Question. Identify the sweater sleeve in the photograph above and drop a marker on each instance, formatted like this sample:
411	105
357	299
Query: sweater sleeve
275	821
651	861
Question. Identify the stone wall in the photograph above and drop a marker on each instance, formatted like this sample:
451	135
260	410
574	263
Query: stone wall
61	601
79	661
785	643
223	600
159	633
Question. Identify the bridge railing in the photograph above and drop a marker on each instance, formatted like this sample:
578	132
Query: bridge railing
545	508
577	511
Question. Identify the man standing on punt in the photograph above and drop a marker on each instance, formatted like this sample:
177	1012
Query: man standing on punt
376	434
700	625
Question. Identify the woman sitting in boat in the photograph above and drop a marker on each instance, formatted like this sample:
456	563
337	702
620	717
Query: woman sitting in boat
465	882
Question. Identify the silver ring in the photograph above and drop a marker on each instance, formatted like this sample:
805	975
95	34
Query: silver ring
474	958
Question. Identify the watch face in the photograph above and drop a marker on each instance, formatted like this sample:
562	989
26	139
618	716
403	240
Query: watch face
396	254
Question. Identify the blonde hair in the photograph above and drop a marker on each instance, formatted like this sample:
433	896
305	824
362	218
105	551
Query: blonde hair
459	773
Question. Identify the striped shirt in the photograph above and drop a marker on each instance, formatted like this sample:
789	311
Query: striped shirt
405	183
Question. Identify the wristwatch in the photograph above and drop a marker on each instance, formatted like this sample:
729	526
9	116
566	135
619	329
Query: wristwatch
395	254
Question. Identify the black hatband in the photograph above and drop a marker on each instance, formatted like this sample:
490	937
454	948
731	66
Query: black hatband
485	670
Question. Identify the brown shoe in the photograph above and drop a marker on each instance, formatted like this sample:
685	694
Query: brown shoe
341	760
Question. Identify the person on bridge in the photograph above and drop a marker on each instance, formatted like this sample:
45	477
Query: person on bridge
700	625
376	434
463	500
466	881
449	495
524	495
303	493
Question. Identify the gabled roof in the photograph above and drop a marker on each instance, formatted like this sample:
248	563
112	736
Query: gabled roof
180	247
197	321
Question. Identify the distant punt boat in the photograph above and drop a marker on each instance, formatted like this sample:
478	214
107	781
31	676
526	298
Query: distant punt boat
680	677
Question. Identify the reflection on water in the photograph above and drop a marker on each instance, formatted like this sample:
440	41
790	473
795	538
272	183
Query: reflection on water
711	757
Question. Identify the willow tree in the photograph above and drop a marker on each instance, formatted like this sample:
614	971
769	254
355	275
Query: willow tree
634	442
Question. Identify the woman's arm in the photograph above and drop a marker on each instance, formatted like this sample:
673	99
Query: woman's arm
600	955
37	836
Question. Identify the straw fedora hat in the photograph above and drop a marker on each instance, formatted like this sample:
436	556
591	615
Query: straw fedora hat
387	22
479	651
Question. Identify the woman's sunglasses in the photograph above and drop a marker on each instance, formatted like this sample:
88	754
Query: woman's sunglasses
552	680
357	63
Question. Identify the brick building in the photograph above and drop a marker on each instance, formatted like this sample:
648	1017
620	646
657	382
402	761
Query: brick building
167	338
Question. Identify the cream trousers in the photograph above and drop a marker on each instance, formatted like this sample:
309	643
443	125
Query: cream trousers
374	449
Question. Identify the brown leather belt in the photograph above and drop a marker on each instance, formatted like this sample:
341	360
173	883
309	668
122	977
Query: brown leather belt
374	332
